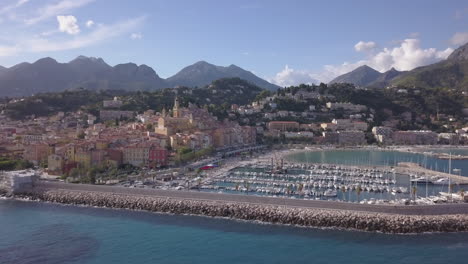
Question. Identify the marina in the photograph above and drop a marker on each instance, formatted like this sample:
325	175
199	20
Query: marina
284	174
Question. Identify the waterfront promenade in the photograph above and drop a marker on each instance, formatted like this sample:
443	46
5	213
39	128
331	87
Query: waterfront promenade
439	209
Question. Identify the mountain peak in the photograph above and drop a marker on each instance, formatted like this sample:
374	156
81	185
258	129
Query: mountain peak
202	62
203	73
360	76
81	59
46	60
461	53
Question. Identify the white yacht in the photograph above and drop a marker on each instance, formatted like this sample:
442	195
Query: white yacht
442	181
330	193
421	180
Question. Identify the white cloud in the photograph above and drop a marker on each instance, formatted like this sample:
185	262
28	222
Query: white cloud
459	38
11	7
136	36
365	46
49	41
289	76
68	24
407	55
100	34
89	23
52	10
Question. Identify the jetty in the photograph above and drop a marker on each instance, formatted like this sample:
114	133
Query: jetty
308	213
414	168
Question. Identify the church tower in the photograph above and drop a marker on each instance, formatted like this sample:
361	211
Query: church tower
176	110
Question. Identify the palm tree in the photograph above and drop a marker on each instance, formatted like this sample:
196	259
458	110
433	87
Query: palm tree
289	189
343	191
199	183
358	191
247	186
300	186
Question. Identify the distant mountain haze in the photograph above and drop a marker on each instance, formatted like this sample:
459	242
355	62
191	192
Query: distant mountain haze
449	73
203	73
48	75
361	76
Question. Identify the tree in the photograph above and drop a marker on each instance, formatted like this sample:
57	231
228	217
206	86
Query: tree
343	191
414	190
199	181
358	192
149	127
300	187
74	173
81	135
247	186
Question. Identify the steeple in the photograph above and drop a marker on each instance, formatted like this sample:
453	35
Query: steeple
175	110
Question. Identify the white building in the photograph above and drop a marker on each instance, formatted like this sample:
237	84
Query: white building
12	181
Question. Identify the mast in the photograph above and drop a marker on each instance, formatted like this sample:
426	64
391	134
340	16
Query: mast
427	176
450	173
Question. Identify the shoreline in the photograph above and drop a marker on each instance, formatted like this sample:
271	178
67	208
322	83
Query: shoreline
384	218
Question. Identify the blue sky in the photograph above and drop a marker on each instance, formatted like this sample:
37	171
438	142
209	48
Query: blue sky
286	42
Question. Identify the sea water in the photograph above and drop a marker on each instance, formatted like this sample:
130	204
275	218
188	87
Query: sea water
378	157
33	232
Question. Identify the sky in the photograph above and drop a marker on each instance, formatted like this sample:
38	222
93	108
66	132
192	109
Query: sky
284	42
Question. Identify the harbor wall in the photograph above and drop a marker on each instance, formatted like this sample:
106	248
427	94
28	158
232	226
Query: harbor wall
266	213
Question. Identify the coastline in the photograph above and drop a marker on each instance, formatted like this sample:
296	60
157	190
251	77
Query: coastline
385	220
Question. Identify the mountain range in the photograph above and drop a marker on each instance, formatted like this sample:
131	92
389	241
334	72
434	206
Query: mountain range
449	73
365	76
48	75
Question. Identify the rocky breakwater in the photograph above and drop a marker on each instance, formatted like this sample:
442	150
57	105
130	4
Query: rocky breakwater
307	217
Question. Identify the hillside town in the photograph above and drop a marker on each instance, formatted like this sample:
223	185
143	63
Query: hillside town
65	143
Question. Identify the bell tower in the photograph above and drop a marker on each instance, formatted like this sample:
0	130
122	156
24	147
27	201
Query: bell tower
176	110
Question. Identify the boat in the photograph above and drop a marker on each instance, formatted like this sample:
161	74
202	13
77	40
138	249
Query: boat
421	180
330	193
442	181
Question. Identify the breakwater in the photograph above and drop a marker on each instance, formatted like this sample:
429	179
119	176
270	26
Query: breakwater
266	213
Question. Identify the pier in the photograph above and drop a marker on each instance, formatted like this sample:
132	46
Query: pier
413	168
323	214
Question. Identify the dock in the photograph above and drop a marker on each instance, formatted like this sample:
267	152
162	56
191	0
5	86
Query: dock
413	168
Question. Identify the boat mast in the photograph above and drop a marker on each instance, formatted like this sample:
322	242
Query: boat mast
450	178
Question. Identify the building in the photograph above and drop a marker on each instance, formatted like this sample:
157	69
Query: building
351	138
145	154
356	108
329	126
115	103
449	138
55	164
330	137
383	134
12	181
37	153
105	115
283	125
421	137
158	157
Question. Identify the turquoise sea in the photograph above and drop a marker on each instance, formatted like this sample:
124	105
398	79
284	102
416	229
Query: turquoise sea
379	157
37	233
